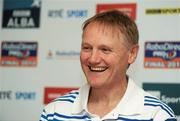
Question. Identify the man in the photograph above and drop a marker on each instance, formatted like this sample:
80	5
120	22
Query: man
109	46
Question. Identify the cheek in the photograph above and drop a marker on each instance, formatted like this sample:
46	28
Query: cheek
83	57
120	62
82	61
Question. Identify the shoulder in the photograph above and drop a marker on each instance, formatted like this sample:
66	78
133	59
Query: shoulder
63	103
158	109
63	107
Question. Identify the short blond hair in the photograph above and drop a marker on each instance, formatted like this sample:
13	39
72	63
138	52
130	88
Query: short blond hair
118	21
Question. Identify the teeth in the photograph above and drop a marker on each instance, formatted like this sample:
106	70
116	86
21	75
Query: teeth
99	69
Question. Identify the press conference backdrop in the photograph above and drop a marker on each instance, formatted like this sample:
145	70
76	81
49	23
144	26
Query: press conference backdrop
40	45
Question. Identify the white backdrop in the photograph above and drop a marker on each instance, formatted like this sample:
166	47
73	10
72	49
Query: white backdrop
58	38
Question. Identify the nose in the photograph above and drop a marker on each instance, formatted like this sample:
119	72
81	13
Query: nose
94	57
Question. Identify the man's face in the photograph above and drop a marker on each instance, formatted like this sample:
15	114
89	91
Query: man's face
104	56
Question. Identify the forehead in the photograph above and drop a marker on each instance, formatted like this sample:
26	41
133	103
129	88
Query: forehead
101	34
102	28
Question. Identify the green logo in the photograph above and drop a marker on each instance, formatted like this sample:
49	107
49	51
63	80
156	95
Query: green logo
167	92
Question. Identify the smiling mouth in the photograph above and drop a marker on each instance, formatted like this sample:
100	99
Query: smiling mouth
97	69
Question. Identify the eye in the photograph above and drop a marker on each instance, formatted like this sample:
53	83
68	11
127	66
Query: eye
106	50
86	48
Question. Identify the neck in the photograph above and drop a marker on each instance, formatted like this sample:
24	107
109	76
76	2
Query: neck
103	100
110	93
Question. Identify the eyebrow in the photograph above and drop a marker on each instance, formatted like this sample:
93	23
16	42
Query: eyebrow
85	43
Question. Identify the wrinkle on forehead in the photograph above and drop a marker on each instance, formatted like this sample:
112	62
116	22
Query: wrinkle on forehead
110	30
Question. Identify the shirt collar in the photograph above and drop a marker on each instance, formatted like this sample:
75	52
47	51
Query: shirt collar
80	104
131	104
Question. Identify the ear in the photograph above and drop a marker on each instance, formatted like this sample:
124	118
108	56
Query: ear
133	53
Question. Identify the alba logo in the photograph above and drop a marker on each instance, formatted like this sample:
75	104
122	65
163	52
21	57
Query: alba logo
21	13
129	8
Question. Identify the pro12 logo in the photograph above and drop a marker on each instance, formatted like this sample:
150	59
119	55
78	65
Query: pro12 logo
162	54
19	53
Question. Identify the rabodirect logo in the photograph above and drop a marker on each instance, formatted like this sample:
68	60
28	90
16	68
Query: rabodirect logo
21	14
162	54
166	92
63	54
17	95
128	8
19	53
51	93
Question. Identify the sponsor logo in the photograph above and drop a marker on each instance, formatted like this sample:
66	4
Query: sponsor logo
163	11
18	95
19	53
129	8
166	92
6	95
71	54
25	95
21	13
51	93
62	13
162	55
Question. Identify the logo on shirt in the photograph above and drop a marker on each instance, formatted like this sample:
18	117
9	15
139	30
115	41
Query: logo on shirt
19	53
129	8
21	13
51	93
162	55
166	92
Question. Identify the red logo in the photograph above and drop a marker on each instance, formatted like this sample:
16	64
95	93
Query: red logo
51	93
129	8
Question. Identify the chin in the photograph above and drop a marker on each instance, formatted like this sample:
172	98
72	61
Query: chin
95	84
